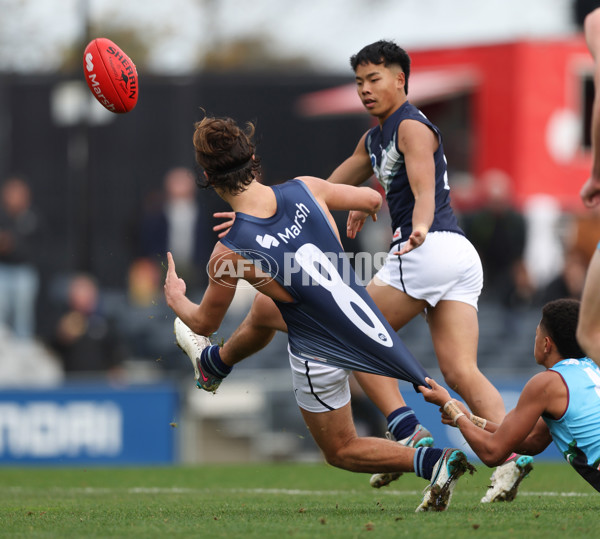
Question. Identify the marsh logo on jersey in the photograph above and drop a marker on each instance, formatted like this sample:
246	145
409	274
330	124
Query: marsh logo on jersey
295	229
267	241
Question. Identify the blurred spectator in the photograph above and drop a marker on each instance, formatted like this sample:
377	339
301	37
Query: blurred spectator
85	338
20	230
569	283
498	232
144	283
146	319
175	225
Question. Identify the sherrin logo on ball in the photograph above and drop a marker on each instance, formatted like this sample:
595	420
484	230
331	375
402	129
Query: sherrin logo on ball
111	75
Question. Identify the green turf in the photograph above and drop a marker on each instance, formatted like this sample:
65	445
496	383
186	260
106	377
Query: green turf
286	500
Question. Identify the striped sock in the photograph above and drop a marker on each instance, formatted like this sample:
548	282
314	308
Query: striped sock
425	459
402	422
211	362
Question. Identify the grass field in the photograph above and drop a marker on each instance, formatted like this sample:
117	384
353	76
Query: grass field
282	500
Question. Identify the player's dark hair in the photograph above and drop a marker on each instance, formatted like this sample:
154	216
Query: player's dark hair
559	319
386	53
226	153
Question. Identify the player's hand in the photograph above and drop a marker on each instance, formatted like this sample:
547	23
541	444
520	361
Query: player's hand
416	239
224	227
174	286
590	193
437	394
447	420
356	220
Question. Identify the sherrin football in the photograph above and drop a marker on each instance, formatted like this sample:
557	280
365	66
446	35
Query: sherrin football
110	75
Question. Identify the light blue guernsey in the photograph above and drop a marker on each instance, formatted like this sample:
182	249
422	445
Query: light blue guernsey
332	318
577	432
390	169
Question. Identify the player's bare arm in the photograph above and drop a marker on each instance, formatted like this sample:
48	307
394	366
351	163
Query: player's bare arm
363	201
522	430
344	197
356	169
418	143
205	318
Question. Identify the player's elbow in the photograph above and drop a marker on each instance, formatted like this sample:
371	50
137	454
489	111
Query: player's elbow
493	460
373	201
493	456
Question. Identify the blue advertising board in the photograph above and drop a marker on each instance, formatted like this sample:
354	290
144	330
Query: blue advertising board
89	424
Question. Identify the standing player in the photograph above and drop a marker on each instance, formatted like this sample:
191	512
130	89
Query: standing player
329	321
561	404
431	267
588	331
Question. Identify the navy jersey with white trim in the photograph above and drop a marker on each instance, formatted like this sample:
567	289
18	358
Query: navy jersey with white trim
332	318
390	169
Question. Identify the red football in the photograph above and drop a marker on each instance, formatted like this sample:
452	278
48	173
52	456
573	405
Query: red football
111	75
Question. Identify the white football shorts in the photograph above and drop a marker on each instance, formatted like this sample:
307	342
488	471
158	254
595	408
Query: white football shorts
319	387
445	267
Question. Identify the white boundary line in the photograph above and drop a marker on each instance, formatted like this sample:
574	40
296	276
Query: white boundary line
278	491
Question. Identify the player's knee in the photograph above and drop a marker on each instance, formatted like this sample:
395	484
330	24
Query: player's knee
455	377
338	455
337	458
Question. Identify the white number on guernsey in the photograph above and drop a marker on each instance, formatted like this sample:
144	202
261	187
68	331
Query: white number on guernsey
312	260
595	377
446	184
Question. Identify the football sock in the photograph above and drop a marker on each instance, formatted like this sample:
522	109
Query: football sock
402	422
425	459
211	362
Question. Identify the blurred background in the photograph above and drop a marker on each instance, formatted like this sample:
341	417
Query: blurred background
89	369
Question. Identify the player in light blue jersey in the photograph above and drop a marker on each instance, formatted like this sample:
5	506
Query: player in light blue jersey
285	243
561	404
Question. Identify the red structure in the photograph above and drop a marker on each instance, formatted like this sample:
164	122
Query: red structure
521	107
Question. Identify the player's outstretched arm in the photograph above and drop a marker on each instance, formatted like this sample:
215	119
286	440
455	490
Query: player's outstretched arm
205	318
344	197
418	144
519	431
356	169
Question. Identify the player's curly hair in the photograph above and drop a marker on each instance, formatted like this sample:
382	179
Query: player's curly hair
226	153
386	53
559	319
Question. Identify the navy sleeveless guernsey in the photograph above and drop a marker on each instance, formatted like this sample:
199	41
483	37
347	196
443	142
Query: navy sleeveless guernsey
332	318
388	165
